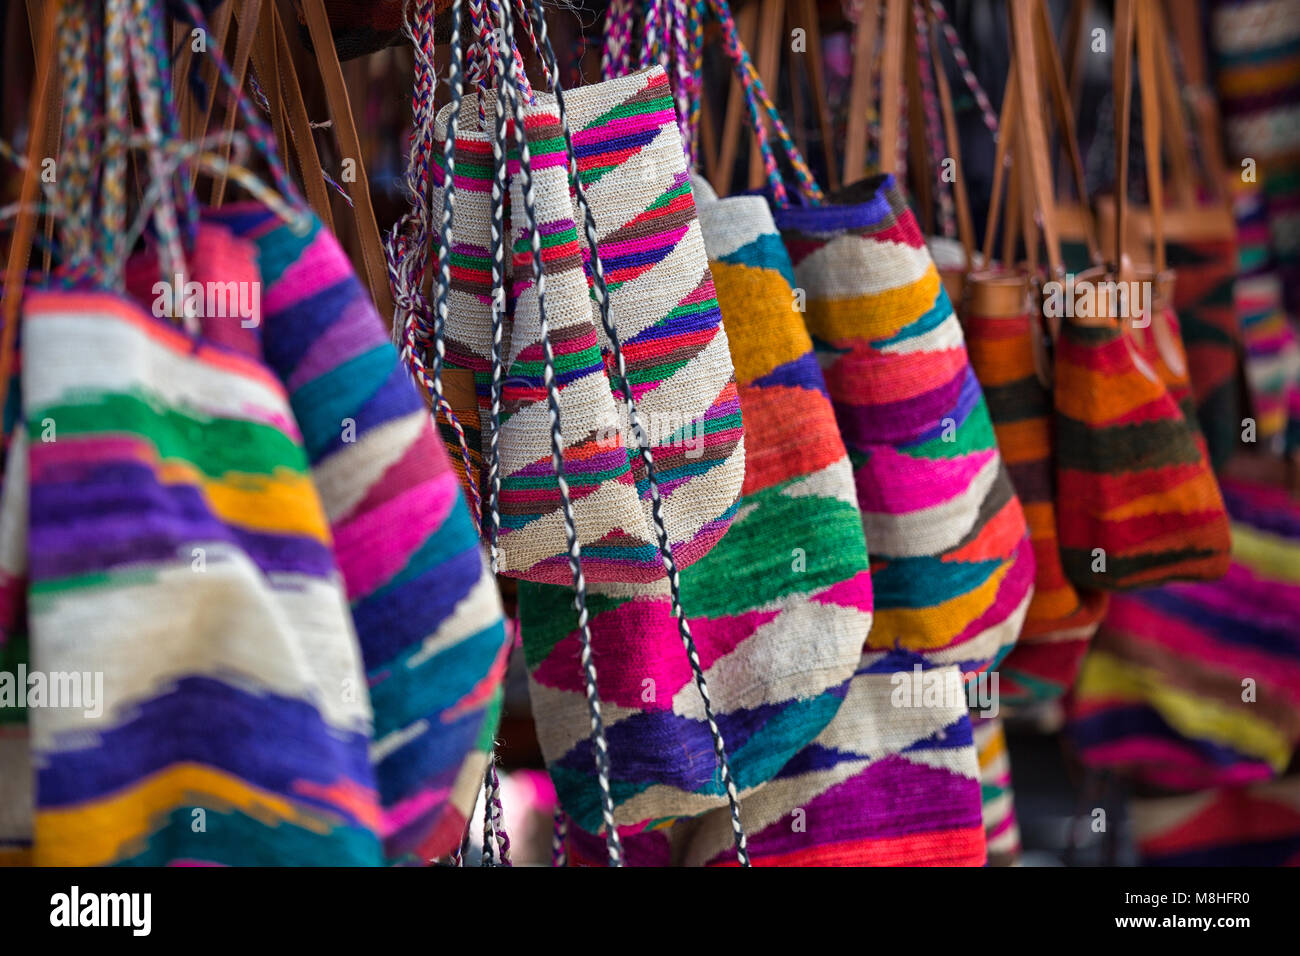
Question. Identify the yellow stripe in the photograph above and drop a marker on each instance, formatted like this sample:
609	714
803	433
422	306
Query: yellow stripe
758	312
1270	555
1193	716
930	628
283	502
104	831
877	315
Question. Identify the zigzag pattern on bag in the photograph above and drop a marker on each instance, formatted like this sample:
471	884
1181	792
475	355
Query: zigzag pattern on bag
951	563
1060	620
1139	504
780	607
885	784
427	611
178	548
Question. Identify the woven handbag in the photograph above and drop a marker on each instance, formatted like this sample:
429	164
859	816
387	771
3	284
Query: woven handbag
663	303
1161	697
1137	502
781	606
1196	228
882	785
1007	338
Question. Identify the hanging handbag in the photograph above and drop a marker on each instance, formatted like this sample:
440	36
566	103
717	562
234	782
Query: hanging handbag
1008	342
783	619
1137	502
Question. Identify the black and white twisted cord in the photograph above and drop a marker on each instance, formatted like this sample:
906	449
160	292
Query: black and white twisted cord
601	294
613	844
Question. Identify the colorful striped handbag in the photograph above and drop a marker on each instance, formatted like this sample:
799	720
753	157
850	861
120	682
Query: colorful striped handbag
781	606
662	302
952	564
426	608
885	784
1137	502
1007	338
1194	686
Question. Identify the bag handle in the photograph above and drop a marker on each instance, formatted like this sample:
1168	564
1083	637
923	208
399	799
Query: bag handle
1007	131
340	109
864	57
1069	132
1040	172
20	245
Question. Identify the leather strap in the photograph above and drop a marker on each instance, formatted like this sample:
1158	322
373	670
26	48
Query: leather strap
298	125
1121	71
247	14
1148	43
864	58
806	11
1040	169
1006	133
747	29
1051	60
20	247
891	81
767	60
965	224
345	128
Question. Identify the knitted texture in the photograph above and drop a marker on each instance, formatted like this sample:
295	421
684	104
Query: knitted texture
179	551
1060	620
1256	825
887	783
952	564
633	169
1137	502
1257	76
15	744
1269	341
1161	696
665	309
998	803
1203	299
780	608
426	608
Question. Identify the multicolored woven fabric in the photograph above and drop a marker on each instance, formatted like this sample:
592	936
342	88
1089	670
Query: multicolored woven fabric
663	305
1270	342
780	608
1192	686
179	553
1256	825
952	566
1060	620
1203	299
1137	502
16	779
1257	72
887	783
998	802
427	611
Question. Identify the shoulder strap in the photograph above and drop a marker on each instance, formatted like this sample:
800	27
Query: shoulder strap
345	128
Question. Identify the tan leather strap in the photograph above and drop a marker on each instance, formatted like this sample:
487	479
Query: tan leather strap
965	224
247	13
1148	43
1121	72
1174	124
1189	36
1040	169
806	11
864	58
345	129
767	60
20	246
747	30
1007	131
1050	59
298	126
891	81
919	149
